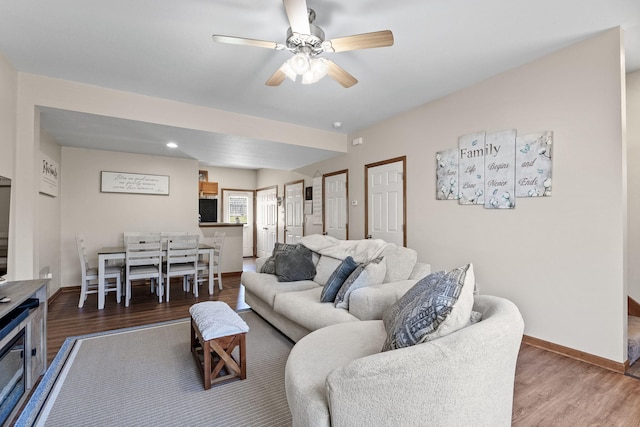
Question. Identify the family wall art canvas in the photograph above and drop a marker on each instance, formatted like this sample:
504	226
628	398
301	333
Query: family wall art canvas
494	169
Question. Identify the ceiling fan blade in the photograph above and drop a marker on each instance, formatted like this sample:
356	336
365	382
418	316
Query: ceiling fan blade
362	41
246	42
277	78
338	74
298	16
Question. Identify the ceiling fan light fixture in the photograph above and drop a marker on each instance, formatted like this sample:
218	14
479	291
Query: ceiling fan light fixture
299	63
318	68
288	71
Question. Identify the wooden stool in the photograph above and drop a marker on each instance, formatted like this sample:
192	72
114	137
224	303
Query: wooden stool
216	330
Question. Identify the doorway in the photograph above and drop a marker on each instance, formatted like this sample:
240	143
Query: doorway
237	207
385	191
336	204
293	213
266	220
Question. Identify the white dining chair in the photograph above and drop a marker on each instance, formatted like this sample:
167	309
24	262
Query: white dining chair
181	260
89	284
213	266
143	260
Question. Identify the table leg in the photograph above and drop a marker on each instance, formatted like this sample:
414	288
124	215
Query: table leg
101	267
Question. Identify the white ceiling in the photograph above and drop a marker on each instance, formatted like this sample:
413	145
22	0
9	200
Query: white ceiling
163	48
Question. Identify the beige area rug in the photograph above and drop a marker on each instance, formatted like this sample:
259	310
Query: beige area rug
147	377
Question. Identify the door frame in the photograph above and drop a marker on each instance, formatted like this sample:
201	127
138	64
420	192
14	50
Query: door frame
402	159
324	220
253	226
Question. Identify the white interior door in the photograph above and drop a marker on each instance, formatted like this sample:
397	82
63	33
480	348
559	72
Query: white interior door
336	205
385	201
266	221
238	208
294	213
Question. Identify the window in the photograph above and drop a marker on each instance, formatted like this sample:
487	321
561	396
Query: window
238	209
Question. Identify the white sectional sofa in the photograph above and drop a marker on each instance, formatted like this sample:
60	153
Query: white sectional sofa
295	308
341	372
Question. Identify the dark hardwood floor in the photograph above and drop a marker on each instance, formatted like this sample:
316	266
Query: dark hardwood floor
550	389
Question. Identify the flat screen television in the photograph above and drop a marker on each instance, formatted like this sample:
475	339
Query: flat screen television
5	202
208	210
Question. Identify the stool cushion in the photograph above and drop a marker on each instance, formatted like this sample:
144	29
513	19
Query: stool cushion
216	319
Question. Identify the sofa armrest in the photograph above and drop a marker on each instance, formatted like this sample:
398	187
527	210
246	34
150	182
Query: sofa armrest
370	302
464	378
260	262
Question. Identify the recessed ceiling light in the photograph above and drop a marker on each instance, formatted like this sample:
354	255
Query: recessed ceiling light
337	125
172	145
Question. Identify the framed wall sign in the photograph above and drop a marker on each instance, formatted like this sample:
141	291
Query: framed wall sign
123	182
48	176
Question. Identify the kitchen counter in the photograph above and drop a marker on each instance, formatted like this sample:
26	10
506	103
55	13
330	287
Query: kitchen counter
220	224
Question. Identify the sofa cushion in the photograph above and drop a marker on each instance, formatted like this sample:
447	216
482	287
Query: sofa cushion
371	302
440	304
295	265
305	309
400	261
266	286
269	265
337	278
373	274
325	268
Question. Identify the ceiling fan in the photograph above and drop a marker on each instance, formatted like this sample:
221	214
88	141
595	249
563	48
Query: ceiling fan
307	42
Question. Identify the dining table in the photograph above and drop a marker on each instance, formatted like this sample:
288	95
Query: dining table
111	253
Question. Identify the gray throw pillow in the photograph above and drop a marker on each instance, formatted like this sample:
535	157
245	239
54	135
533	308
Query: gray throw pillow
269	265
337	278
439	305
293	265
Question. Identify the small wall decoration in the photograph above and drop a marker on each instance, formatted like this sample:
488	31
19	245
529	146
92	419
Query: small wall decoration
496	168
447	175
471	168
533	157
203	176
48	176
500	178
123	182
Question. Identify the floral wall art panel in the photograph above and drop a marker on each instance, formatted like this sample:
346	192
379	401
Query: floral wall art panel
533	160
447	174
499	173
471	168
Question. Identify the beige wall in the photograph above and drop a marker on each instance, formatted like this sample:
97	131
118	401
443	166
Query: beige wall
633	144
103	217
560	259
8	96
49	208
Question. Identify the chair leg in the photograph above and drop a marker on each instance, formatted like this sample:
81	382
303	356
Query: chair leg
118	289
127	293
195	286
83	293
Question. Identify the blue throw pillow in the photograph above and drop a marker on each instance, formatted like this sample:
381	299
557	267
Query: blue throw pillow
337	278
